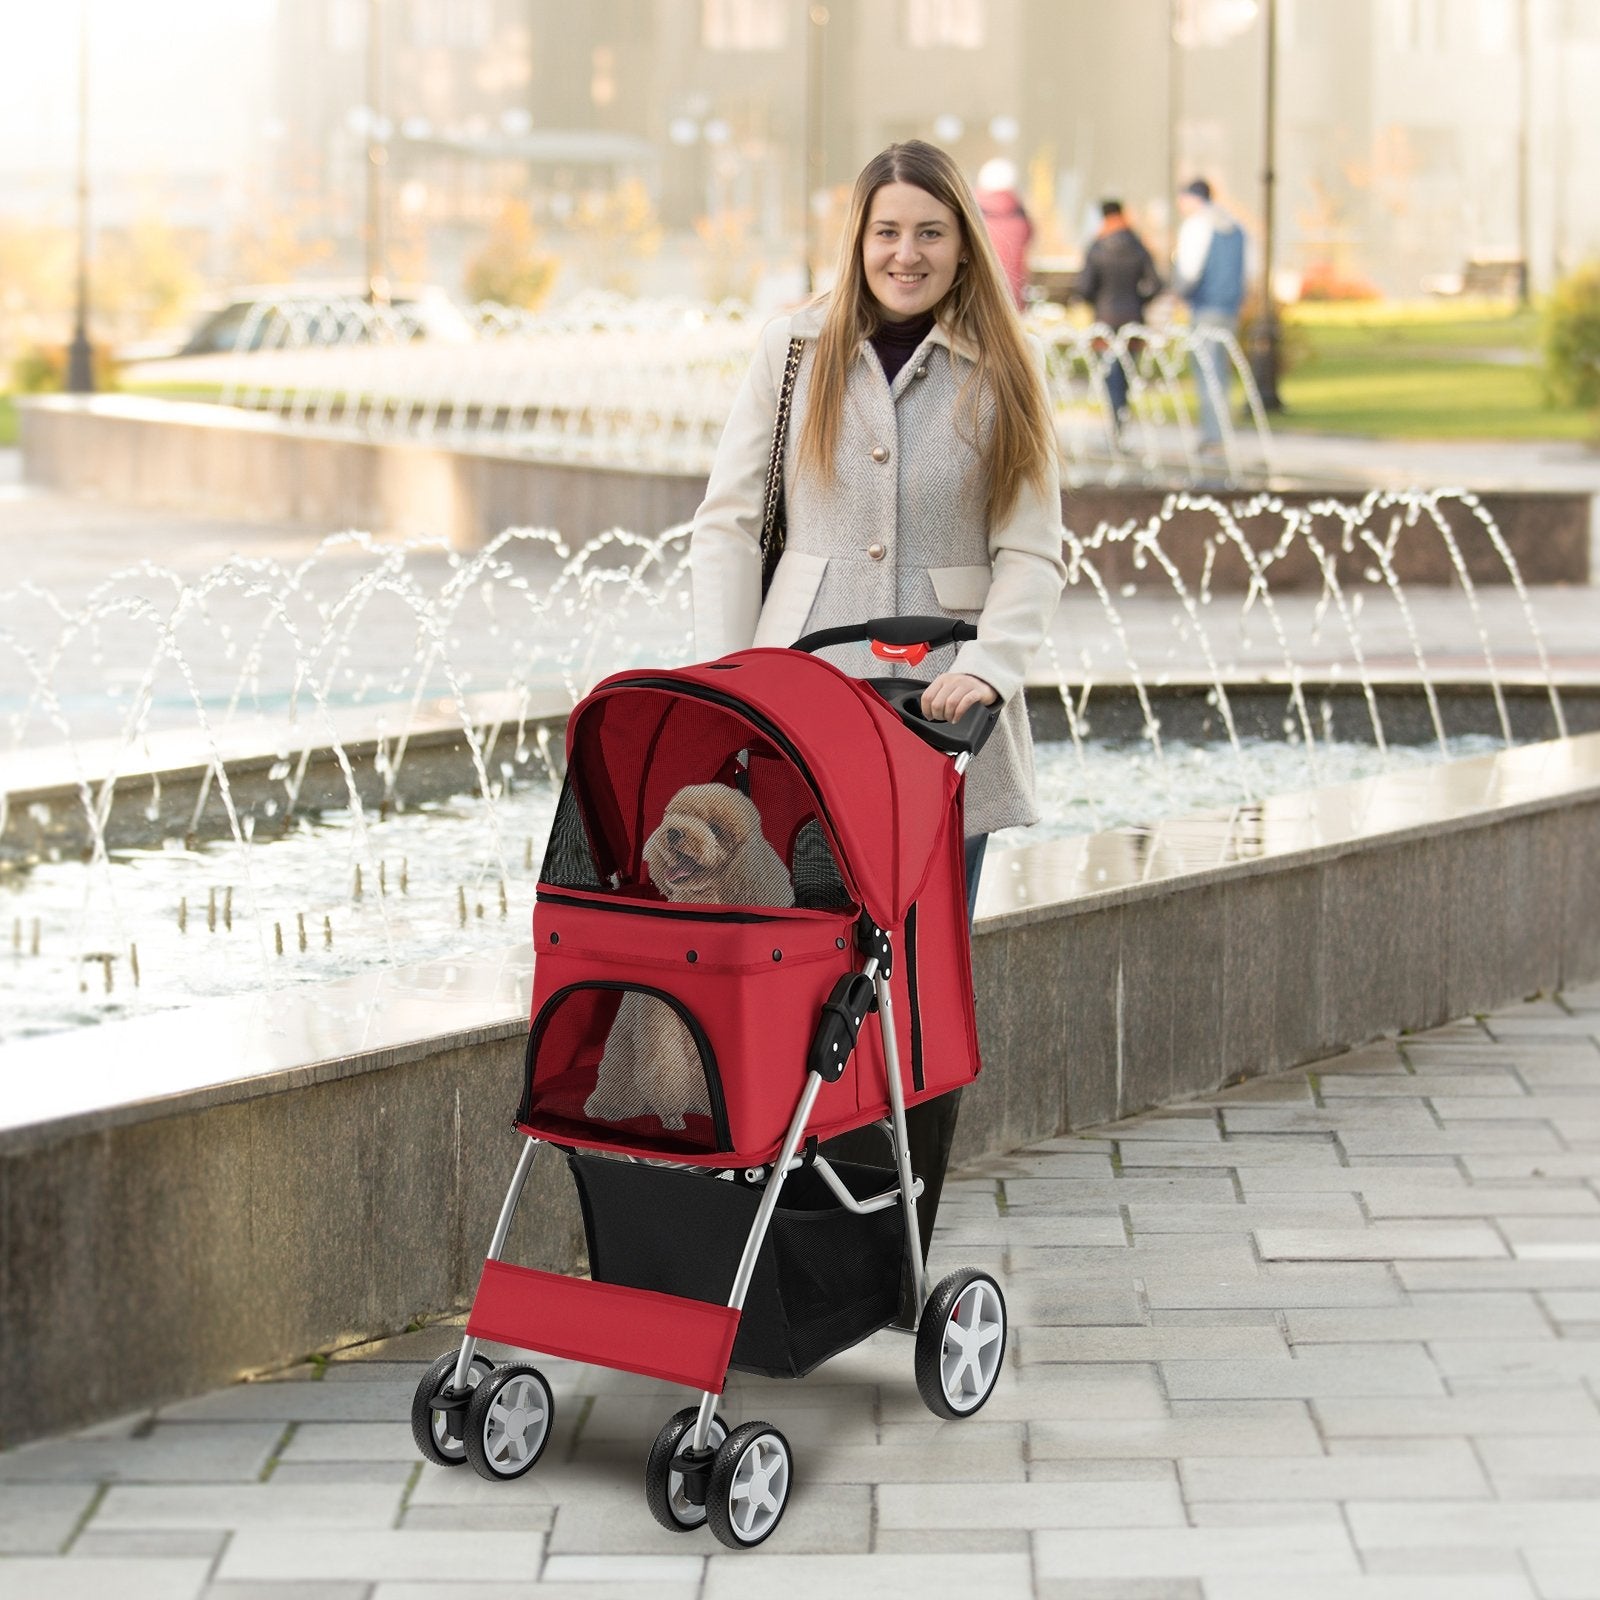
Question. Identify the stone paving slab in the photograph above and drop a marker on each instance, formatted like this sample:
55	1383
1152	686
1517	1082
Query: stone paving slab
1306	1339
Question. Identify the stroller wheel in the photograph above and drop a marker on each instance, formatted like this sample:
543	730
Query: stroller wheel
750	1478
508	1422
663	1485
961	1342
431	1429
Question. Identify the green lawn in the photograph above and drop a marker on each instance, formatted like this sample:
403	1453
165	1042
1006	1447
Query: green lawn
1421	373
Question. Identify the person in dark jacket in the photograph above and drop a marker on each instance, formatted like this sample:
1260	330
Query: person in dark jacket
1119	279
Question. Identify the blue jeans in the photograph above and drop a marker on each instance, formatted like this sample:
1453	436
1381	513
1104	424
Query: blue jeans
1213	355
1116	386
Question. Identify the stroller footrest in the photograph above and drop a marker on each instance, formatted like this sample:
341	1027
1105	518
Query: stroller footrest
635	1330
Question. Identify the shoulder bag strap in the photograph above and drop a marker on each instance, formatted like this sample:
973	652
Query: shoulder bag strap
774	524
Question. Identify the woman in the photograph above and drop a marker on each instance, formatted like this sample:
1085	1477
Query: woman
920	477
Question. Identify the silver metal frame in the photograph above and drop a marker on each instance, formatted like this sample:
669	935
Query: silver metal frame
501	1228
907	1190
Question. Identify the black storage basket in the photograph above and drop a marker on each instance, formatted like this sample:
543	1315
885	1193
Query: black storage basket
826	1277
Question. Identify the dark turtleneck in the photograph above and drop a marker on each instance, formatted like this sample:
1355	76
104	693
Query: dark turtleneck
896	342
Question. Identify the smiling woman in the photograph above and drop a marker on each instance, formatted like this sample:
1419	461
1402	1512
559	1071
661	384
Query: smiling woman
919	479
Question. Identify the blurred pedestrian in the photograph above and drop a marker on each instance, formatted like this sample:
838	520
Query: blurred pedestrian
1208	274
1010	227
1119	279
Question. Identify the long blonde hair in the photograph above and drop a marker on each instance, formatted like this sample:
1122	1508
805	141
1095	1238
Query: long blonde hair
977	309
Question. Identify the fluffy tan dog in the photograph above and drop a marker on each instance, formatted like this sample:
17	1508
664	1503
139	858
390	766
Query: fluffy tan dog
709	850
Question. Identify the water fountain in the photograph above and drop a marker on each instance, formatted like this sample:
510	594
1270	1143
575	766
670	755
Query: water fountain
246	776
314	770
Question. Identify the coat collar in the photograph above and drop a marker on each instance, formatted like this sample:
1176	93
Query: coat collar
806	323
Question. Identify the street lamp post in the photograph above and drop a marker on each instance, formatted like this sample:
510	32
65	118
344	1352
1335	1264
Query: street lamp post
816	160
377	157
1266	346
80	361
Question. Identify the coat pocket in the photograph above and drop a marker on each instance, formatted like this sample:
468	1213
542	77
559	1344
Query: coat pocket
960	588
790	599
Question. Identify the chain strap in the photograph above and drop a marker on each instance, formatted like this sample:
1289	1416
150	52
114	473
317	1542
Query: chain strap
774	523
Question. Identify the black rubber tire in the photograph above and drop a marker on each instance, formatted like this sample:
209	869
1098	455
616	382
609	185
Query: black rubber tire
422	1414
658	1473
479	1421
931	1338
719	1495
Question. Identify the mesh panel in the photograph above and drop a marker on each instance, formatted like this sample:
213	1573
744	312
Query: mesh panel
754	841
817	884
568	859
606	1053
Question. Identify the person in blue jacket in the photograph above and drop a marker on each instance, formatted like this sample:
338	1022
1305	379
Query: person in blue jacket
1208	274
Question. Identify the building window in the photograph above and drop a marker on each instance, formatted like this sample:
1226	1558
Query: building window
347	27
744	24
1580	19
1496	31
945	24
1418	26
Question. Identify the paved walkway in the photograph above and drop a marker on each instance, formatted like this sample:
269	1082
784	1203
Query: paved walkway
1331	1335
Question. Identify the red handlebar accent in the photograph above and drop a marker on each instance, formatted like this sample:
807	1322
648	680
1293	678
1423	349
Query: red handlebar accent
912	654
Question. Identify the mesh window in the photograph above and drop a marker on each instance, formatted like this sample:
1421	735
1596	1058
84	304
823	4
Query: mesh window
817	884
666	799
568	860
627	1058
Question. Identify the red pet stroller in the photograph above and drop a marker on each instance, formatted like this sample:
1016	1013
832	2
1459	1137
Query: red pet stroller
699	1028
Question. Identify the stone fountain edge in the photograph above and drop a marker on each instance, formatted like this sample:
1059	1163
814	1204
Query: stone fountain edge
174	1242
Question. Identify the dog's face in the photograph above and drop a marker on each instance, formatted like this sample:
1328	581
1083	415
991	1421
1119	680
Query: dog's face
701	831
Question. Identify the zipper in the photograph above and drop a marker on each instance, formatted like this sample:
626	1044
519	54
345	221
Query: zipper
634	908
708	1060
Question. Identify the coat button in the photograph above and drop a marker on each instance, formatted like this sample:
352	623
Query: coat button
876	551
880	453
921	372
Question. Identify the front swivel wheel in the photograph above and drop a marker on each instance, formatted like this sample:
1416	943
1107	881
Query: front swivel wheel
508	1422
437	1430
750	1478
666	1490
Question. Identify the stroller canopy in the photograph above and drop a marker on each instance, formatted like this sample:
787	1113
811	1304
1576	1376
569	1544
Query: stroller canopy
884	796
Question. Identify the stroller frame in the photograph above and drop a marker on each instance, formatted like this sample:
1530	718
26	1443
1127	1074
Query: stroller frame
907	1190
698	1472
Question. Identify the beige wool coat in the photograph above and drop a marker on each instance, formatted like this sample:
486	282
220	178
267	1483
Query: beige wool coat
901	531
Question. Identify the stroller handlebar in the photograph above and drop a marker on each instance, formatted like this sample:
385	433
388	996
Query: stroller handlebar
897	632
909	639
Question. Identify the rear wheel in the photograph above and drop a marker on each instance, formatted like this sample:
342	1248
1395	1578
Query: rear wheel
664	1485
750	1478
508	1422
430	1428
961	1343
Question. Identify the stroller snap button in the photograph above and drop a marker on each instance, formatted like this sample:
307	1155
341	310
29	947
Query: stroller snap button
777	955
693	956
555	938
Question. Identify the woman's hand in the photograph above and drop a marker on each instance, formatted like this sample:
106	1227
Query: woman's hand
952	694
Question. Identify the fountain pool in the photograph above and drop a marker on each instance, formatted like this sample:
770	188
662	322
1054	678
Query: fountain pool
152	929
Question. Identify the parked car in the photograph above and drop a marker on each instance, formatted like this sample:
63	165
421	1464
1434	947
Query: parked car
273	316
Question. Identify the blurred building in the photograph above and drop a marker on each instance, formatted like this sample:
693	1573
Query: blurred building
1414	136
